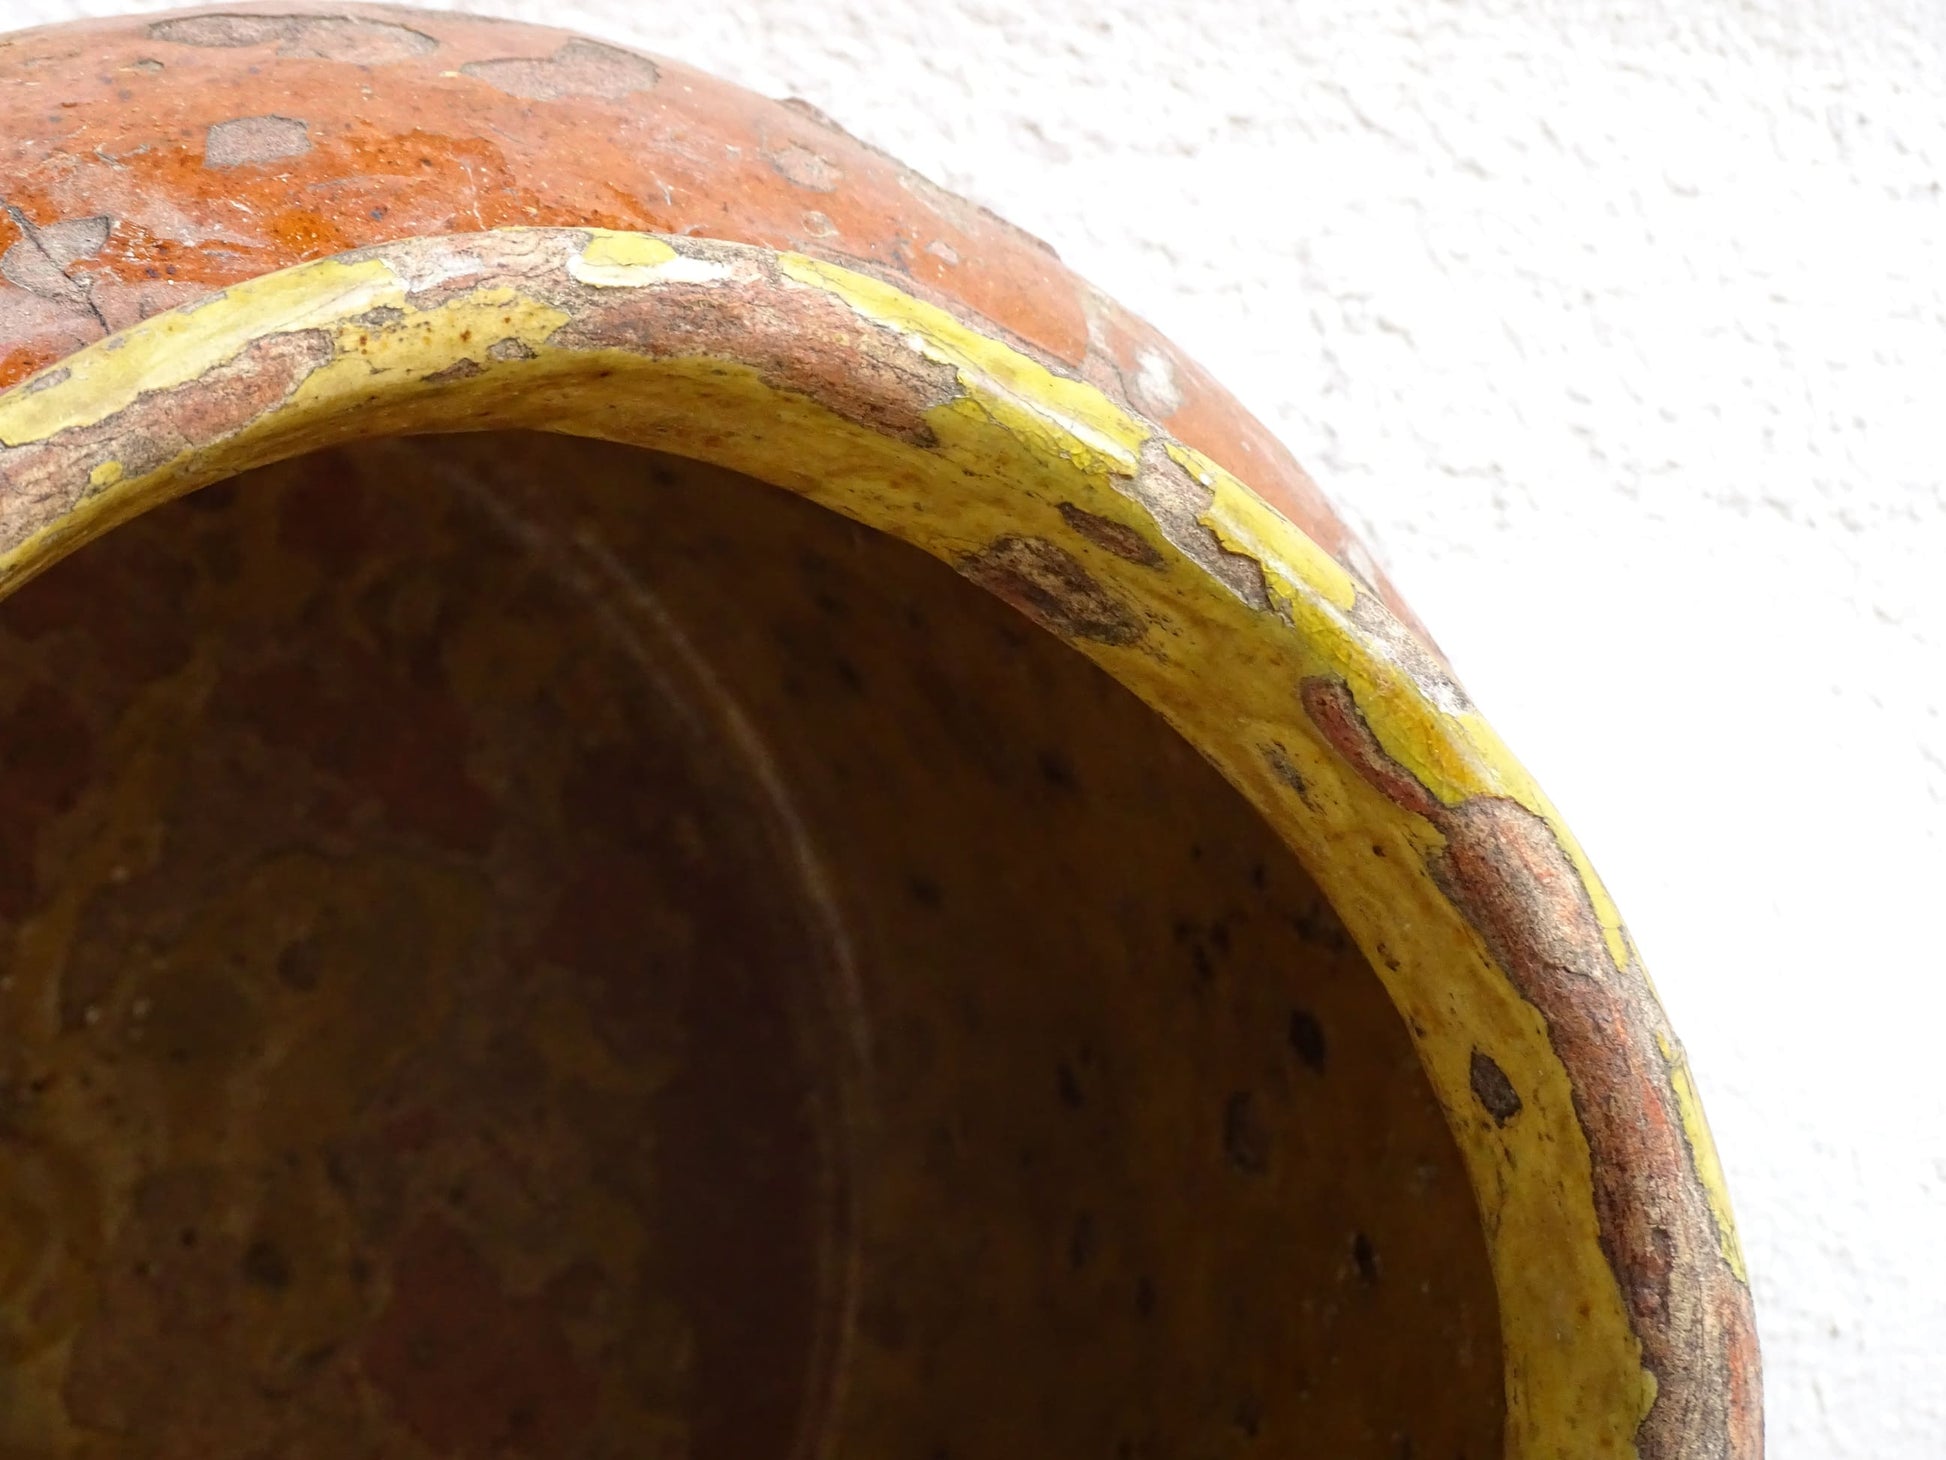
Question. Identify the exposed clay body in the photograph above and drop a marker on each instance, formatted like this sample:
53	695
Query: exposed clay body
1684	1293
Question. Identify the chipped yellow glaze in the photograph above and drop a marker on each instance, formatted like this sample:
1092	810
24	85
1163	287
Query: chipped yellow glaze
1453	752
620	260
186	343
361	351
1702	1145
1013	445
1244	523
1065	419
460	330
632	260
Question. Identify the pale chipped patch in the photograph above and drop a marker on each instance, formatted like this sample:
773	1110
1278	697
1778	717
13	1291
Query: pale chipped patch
799	166
578	68
38	261
1153	389
357	39
252	141
421	271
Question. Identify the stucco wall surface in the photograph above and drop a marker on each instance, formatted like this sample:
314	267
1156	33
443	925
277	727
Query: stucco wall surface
1621	329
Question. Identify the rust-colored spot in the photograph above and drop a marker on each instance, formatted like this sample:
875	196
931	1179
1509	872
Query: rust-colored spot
249	140
23	360
578	68
471	1368
1118	538
352	38
1492	1088
1332	710
801	167
1047	584
306	234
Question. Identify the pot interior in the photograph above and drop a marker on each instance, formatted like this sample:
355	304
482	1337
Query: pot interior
517	946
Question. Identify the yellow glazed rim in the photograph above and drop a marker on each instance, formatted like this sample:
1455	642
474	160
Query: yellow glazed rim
1624	1309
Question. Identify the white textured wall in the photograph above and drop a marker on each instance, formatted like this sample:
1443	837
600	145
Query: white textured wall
1621	327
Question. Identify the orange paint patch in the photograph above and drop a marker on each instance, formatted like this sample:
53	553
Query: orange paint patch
23	360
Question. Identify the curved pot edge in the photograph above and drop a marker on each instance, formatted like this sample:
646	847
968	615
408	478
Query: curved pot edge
1624	1310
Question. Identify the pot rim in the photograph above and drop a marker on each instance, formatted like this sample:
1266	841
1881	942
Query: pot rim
1624	1306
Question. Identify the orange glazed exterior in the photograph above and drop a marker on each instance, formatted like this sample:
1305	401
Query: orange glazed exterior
150	161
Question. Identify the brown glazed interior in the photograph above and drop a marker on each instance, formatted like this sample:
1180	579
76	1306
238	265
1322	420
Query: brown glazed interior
525	947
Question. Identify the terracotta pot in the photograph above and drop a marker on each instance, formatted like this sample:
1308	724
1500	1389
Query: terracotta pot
539	942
